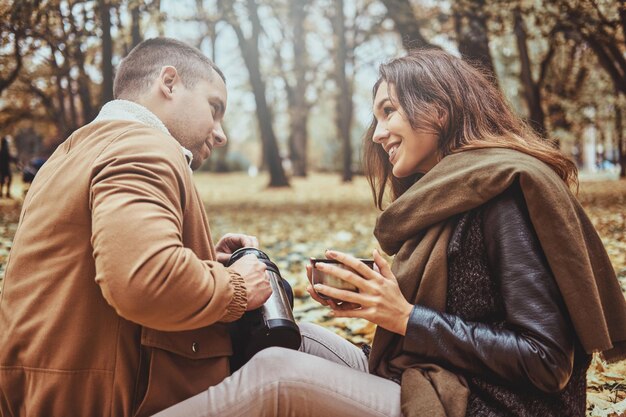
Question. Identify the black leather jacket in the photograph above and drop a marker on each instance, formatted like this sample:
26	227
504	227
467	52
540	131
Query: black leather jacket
536	344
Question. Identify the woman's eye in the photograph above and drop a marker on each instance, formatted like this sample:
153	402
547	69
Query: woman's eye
388	110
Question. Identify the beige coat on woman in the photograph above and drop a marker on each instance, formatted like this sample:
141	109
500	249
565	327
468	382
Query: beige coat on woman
112	305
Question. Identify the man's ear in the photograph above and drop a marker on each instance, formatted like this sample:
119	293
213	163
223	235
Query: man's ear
168	80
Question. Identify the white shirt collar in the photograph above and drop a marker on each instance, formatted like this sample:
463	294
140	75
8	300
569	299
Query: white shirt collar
131	111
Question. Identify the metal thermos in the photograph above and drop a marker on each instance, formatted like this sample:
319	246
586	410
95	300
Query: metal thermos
272	324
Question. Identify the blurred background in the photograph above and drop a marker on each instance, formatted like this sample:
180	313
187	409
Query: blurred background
300	73
299	76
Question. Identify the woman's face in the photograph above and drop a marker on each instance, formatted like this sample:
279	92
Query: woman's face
410	150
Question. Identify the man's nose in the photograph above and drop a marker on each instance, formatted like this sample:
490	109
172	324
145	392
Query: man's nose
380	133
219	135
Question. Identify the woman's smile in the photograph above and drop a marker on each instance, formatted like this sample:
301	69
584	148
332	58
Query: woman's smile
393	152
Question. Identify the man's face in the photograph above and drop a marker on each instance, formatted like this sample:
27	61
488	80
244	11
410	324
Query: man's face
196	115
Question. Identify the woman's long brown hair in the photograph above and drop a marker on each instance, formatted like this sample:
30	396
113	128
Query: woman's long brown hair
430	83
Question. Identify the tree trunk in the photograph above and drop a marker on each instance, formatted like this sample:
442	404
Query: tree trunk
622	16
344	93
401	12
609	56
61	117
299	108
619	132
83	80
160	18
532	90
107	52
135	25
74	123
250	52
5	82
470	24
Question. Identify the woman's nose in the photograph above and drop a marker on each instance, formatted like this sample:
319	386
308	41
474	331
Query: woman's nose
380	133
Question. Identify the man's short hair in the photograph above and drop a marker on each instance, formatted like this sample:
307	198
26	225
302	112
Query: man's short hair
142	65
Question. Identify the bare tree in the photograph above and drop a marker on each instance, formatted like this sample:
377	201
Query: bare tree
470	23
406	24
107	51
603	29
296	94
250	52
209	20
135	23
344	89
532	88
619	132
17	24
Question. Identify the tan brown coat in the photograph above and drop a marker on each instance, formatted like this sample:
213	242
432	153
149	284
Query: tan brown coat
112	305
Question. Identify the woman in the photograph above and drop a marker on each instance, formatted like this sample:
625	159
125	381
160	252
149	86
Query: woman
500	287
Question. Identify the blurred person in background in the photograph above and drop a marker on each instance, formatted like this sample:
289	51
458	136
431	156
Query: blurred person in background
6	158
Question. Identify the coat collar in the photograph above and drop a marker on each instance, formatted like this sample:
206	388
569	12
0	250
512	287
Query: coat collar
134	112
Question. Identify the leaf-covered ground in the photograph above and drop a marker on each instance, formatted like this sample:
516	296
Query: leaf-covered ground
320	212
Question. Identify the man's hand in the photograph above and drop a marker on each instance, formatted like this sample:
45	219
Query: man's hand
230	242
258	288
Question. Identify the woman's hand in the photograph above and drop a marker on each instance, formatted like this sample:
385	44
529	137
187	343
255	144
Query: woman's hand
326	302
379	296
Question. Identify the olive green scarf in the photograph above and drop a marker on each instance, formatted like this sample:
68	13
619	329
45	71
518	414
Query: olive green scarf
416	228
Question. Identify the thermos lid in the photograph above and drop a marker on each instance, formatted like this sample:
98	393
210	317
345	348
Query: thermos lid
262	256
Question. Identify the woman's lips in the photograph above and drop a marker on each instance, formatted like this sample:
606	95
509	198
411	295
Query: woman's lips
393	152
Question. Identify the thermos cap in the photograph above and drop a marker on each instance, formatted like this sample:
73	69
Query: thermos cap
262	256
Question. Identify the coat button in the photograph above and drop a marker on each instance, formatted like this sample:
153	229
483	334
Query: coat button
194	347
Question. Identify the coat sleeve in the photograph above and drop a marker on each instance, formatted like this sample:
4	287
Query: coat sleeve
536	345
138	194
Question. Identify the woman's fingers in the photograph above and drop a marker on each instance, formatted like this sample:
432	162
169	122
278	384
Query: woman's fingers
383	265
309	273
343	274
349	260
342	295
315	296
359	313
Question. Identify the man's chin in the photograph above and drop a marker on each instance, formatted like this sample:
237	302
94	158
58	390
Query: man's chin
196	163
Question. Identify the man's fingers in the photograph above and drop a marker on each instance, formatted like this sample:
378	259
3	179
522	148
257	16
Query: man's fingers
247	241
254	242
223	257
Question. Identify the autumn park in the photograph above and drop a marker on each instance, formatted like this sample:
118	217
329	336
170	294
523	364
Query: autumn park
299	76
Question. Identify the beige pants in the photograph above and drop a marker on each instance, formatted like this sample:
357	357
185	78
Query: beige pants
327	378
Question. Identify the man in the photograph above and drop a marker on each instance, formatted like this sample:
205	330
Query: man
114	302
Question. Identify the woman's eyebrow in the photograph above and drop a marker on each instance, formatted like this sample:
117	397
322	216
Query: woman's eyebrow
381	103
